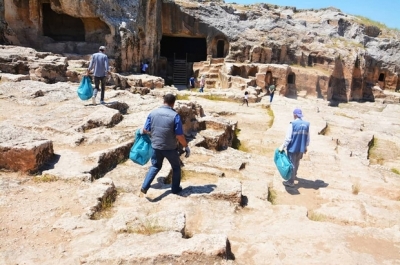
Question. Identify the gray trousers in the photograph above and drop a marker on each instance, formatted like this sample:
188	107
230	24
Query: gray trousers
295	159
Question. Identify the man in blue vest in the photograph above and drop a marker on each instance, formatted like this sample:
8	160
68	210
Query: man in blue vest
297	139
100	67
165	127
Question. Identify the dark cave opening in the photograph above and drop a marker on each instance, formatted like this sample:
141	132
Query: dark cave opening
191	49
61	27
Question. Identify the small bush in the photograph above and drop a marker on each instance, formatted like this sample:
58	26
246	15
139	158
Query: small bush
313	216
272	195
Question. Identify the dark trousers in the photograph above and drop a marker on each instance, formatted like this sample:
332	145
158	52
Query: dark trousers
295	159
271	97
97	81
156	164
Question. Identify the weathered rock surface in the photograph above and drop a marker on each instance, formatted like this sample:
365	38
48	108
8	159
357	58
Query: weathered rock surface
137	81
226	213
23	150
199	249
346	55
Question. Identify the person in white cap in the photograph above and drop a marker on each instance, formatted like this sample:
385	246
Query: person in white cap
297	139
100	67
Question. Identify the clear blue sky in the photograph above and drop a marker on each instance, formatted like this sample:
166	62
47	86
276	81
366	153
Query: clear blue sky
384	11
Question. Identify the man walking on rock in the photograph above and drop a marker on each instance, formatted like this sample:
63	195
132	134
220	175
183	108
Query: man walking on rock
99	63
297	139
165	127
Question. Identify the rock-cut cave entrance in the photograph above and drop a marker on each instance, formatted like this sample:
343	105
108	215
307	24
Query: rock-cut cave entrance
190	49
220	48
61	27
180	54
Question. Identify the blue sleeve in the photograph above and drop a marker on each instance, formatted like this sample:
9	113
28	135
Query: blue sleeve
147	125
178	125
91	63
107	65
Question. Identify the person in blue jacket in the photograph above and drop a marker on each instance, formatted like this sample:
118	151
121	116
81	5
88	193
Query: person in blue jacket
165	126
296	141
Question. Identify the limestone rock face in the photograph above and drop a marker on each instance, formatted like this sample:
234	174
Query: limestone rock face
44	67
137	82
345	57
22	150
190	113
64	26
218	133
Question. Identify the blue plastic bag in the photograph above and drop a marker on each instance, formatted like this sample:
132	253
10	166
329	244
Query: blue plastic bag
85	90
283	164
141	150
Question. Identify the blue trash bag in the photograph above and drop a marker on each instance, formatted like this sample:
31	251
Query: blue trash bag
141	150
85	90
283	164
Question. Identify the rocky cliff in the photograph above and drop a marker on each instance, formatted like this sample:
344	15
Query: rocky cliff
327	53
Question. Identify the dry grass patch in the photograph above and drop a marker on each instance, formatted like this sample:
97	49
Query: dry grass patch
342	42
395	171
45	178
188	234
217	98
355	188
237	144
106	211
198	176
313	216
272	195
342	114
147	226
271	115
182	97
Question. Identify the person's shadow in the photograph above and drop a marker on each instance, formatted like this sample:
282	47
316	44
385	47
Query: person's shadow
186	192
306	184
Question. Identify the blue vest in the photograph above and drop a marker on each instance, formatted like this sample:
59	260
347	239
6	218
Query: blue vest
163	128
301	129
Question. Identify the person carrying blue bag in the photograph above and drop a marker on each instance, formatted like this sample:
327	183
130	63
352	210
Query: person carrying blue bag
100	67
85	90
296	141
283	164
165	126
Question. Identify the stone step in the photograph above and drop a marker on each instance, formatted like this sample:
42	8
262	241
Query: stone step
164	248
87	167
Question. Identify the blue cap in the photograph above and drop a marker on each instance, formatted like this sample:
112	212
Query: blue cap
298	113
